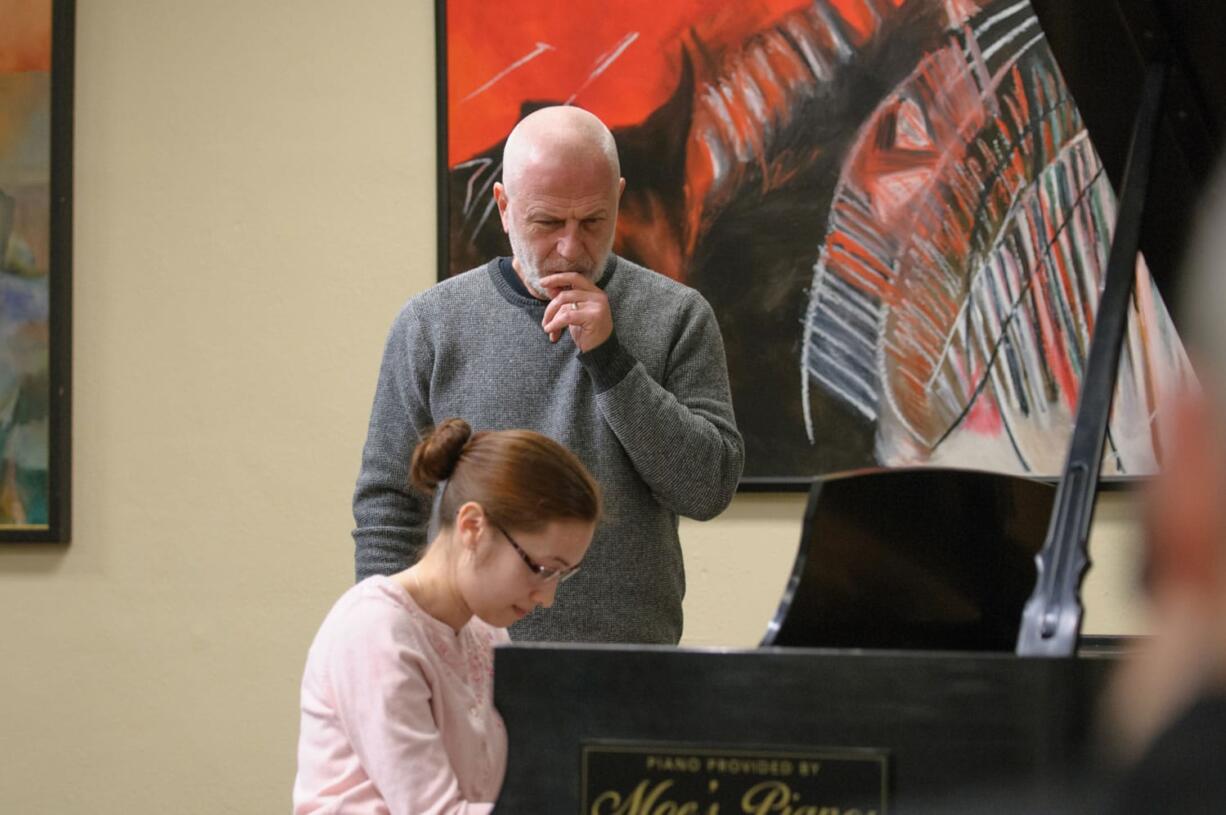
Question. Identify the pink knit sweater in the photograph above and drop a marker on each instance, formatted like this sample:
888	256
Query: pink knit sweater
397	711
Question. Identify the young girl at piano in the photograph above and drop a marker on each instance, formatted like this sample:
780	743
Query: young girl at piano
397	708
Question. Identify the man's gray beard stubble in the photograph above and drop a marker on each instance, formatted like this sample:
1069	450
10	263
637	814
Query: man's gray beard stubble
532	275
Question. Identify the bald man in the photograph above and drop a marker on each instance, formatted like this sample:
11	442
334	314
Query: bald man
622	365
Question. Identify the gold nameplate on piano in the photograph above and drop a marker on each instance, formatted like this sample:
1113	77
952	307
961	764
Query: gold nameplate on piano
662	778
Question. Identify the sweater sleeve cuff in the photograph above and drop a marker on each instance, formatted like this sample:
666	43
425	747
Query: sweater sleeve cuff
608	363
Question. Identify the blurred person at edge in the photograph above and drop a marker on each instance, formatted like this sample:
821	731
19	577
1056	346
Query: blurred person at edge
1165	722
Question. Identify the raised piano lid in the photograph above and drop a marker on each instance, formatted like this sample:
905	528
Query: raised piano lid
914	558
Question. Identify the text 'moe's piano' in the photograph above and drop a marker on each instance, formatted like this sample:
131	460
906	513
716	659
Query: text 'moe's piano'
896	671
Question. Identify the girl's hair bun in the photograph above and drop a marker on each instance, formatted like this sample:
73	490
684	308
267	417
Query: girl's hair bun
436	454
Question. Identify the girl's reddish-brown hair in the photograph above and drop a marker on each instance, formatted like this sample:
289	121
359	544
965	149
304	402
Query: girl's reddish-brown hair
522	479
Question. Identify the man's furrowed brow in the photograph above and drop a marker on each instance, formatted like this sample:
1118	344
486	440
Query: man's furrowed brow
545	212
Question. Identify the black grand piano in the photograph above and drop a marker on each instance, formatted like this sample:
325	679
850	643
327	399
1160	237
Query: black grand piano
923	652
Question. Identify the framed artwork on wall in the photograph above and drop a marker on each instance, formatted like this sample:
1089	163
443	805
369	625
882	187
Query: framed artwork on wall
893	207
36	87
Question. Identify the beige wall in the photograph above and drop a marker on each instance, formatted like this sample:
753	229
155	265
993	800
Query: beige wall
254	200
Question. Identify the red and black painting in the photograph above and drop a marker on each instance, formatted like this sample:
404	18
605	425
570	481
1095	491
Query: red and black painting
892	206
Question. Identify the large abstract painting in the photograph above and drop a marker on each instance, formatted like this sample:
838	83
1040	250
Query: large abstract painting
35	263
892	205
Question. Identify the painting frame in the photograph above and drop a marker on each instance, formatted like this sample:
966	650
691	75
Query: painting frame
58	493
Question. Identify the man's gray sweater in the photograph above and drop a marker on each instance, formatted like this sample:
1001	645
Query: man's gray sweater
649	412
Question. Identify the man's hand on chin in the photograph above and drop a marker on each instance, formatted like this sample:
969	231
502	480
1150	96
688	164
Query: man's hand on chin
578	305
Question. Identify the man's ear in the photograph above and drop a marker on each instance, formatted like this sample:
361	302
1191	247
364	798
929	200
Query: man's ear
500	198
